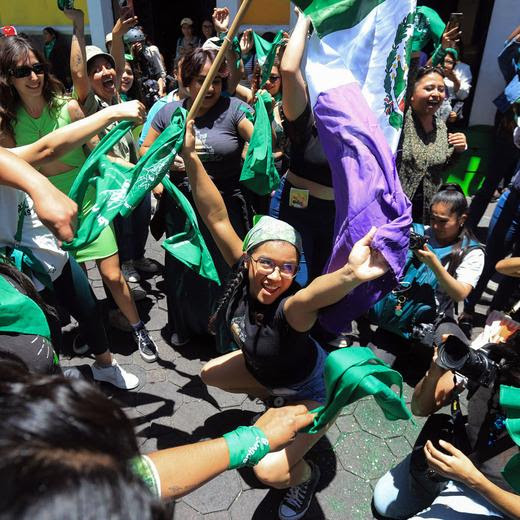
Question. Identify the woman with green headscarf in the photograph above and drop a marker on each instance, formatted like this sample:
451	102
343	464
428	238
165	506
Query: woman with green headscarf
270	319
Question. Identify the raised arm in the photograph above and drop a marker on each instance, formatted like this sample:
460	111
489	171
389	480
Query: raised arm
61	141
209	202
364	264
78	55
54	208
186	468
117	50
294	98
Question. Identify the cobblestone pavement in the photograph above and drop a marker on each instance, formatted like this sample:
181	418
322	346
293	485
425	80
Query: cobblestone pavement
172	406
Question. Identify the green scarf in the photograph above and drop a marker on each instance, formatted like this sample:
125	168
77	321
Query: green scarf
119	189
189	246
258	171
510	403
265	54
19	313
353	373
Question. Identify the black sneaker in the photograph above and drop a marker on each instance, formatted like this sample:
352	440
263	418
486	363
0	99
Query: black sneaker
298	499
145	344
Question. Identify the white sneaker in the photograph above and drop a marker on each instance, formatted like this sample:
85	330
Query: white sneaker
129	272
146	265
115	375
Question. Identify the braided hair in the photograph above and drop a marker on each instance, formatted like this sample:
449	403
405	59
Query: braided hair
236	281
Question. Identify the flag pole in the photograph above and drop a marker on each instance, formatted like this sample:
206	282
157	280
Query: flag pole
219	59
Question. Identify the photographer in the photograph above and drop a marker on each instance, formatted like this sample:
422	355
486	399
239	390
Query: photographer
437	480
443	266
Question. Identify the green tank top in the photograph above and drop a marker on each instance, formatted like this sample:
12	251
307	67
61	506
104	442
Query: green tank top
28	130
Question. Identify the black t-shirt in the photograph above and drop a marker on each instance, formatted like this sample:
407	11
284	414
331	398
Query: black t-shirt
275	353
308	160
218	143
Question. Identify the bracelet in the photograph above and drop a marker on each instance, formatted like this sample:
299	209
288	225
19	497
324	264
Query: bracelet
247	445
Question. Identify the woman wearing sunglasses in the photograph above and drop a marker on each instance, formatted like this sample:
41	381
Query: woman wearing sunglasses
33	105
270	318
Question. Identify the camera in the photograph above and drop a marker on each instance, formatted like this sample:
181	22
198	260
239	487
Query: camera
417	241
423	333
456	355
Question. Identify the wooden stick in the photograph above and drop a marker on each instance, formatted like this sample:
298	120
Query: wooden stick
219	59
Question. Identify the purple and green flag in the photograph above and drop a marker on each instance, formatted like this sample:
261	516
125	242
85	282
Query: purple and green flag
356	70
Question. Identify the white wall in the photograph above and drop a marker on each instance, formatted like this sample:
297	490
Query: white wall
101	20
505	17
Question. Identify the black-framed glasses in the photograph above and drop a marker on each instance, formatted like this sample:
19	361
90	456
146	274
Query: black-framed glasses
267	266
25	70
273	78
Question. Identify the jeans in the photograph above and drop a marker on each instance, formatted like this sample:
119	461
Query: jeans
503	238
72	291
132	231
400	495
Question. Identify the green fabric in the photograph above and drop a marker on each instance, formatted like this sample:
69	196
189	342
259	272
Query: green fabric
440	53
144	469
119	189
265	54
428	25
47	48
258	171
247	446
19	313
269	228
329	16
189	246
510	403
353	373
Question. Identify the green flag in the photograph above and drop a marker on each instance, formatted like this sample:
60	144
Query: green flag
189	246
258	172
353	373
119	189
265	54
510	402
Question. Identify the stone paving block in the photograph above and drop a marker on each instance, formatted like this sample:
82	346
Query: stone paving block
253	504
216	495
226	399
183	511
346	497
347	423
399	446
364	454
191	416
371	419
157	319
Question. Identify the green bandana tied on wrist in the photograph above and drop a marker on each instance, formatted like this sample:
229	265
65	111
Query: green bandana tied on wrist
247	446
510	403
353	373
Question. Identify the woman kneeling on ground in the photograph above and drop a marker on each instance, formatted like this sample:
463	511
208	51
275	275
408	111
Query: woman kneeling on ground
270	320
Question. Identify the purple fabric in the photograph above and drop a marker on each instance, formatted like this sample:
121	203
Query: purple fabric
367	193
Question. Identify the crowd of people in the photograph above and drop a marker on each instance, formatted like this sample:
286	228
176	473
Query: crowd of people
270	250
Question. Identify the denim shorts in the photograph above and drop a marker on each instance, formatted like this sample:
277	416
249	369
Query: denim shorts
312	388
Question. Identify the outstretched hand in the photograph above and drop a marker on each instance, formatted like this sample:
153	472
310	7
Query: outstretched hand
366	263
220	19
280	425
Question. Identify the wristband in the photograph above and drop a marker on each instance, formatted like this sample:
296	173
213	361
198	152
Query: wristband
247	445
143	468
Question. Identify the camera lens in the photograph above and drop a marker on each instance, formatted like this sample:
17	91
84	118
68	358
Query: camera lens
453	354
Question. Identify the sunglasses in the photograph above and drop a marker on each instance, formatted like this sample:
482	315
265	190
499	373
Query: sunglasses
25	70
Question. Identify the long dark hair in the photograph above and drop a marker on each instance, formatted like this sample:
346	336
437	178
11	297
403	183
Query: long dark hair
257	72
194	62
12	50
234	287
453	197
66	450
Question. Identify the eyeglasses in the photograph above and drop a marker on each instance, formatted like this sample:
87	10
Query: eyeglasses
267	266
273	79
25	70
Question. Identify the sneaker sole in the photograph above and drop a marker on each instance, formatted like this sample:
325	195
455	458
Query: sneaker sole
148	358
115	386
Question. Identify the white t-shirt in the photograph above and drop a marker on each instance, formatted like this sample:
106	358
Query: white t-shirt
468	271
35	236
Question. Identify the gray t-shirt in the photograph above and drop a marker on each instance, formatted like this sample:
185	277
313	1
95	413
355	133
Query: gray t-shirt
218	142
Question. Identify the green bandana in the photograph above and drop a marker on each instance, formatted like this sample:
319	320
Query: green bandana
19	313
265	54
119	189
258	172
510	402
353	373
269	228
189	246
